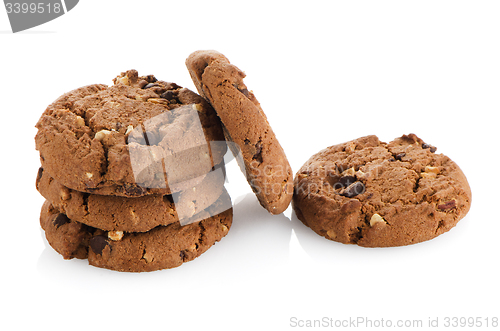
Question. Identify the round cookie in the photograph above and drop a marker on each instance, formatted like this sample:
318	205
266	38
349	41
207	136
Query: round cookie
138	214
160	248
374	194
245	124
139	136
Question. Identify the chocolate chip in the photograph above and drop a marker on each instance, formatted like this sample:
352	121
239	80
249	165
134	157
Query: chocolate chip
151	78
347	180
150	85
258	154
182	254
169	198
447	205
171	86
431	148
400	156
132	191
353	190
142	83
98	243
244	90
39	176
60	219
168	95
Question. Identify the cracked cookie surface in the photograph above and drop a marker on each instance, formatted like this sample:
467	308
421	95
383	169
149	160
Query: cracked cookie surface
128	139
374	194
263	160
159	248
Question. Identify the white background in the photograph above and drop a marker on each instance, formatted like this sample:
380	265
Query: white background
325	73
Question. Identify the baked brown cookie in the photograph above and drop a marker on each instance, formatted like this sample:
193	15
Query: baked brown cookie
139	136
138	214
245	124
160	248
374	194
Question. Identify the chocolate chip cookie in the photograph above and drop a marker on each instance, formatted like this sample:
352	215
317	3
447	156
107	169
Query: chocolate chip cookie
139	136
375	194
160	248
245	124
138	214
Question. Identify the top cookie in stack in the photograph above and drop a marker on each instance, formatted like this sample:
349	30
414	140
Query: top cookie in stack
137	137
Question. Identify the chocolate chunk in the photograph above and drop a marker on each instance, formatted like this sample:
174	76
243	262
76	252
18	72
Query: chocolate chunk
353	190
431	148
132	191
60	219
150	85
169	198
447	205
347	180
39	176
258	154
400	156
151	78
142	83
244	90
171	86
168	95
98	243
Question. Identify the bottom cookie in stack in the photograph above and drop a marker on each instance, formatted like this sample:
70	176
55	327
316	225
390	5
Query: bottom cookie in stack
159	248
135	234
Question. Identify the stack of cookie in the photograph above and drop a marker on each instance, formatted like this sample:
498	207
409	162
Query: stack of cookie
132	174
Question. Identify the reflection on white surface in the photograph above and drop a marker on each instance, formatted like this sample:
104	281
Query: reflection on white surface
257	240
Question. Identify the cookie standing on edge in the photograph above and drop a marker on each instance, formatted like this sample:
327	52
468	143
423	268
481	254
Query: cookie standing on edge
374	194
266	166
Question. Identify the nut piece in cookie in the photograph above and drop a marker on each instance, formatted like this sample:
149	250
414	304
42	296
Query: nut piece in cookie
254	143
377	194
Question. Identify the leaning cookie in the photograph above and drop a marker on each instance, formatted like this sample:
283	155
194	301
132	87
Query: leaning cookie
264	161
160	248
374	194
137	214
139	136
